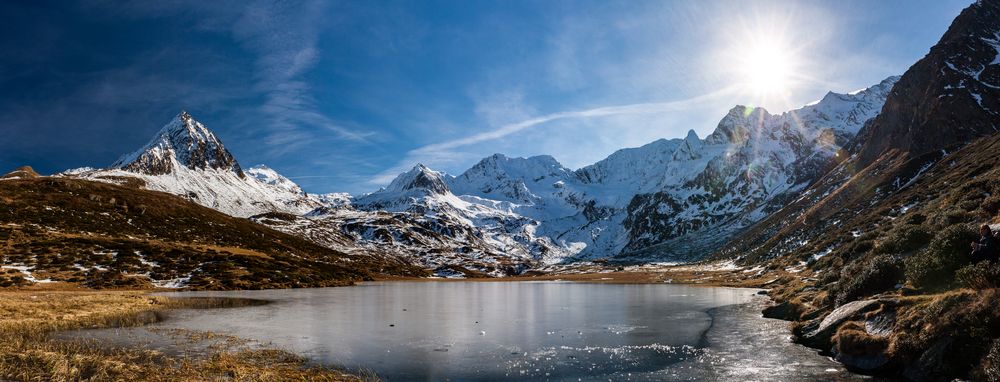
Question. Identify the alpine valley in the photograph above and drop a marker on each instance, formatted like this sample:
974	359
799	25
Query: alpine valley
668	201
856	211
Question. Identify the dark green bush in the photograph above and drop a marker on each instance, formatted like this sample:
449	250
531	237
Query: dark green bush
904	239
991	205
916	219
857	248
952	217
969	205
879	274
935	266
984	275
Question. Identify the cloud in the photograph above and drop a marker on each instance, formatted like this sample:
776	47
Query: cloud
284	39
285	36
444	153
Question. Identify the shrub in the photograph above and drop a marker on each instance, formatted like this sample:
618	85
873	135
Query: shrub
991	205
916	219
969	205
961	326
984	275
879	274
991	363
905	239
935	266
952	217
857	248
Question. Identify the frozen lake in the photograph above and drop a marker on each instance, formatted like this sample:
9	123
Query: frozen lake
463	331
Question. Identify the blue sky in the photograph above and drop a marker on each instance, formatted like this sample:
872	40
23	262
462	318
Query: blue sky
341	96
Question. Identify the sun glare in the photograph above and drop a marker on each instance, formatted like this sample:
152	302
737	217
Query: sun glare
762	56
767	68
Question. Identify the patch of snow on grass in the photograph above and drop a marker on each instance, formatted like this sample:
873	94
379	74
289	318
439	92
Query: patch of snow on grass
28	275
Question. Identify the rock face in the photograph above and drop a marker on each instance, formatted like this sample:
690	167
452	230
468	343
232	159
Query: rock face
950	96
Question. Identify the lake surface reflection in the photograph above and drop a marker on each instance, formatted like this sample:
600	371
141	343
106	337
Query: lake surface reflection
523	330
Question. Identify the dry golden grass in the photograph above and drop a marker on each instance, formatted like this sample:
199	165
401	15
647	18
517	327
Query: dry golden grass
28	352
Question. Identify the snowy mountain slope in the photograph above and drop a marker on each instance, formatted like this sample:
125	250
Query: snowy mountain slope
670	200
895	218
185	158
928	116
676	199
419	219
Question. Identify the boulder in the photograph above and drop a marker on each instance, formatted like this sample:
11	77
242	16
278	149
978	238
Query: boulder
817	333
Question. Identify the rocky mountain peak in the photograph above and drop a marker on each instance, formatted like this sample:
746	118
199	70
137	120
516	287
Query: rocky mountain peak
692	136
951	96
738	125
420	177
181	142
690	148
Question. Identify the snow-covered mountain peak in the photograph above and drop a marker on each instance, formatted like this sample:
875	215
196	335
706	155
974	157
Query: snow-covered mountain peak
181	142
690	147
420	177
517	180
738	125
842	112
540	165
187	159
271	177
692	136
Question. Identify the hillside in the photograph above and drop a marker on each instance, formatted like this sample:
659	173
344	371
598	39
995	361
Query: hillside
873	261
105	236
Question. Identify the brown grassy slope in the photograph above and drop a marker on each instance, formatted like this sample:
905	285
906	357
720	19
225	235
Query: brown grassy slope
27	353
21	172
103	235
869	226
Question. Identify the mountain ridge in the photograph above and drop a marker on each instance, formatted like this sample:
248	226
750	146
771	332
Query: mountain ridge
643	203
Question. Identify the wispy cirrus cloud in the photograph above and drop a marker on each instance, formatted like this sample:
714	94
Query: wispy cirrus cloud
445	153
285	38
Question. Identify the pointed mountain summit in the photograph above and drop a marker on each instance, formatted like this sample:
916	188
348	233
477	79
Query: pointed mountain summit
183	142
690	147
419	178
738	125
187	159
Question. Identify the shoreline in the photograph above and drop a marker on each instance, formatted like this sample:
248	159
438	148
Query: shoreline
150	307
32	318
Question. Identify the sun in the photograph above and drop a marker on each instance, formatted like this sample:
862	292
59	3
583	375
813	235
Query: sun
767	68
